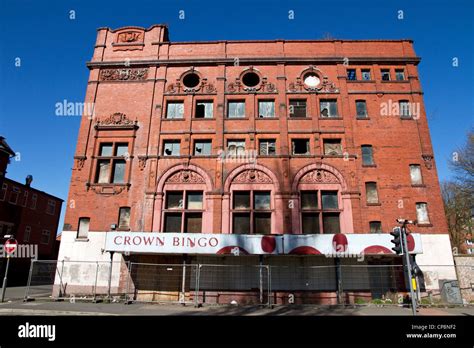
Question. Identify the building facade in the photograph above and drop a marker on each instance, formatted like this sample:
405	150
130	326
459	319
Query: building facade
31	216
252	138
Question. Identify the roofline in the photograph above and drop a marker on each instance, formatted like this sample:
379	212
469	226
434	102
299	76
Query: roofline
133	27
32	188
289	41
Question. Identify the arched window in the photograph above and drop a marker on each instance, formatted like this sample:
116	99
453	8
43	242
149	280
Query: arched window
250	205
323	206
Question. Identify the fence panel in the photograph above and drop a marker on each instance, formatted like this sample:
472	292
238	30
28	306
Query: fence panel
233	284
161	283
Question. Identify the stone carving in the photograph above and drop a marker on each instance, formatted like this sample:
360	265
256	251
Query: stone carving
117	119
252	177
264	86
128	74
203	87
130	37
109	190
185	177
319	176
428	159
142	162
80	160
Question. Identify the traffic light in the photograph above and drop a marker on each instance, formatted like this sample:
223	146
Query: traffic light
397	240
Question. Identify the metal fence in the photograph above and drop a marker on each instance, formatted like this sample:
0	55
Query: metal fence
246	284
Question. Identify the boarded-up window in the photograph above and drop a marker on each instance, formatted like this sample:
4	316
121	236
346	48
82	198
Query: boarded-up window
404	106
422	213
371	192
124	217
415	174
83	230
193	223
332	147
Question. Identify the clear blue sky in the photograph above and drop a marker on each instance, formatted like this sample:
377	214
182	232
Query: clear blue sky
54	49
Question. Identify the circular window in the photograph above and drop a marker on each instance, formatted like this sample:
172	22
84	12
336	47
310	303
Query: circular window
251	79
311	80
191	80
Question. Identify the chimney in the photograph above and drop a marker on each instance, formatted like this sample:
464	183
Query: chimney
28	180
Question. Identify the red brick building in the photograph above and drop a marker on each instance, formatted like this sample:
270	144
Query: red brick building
272	137
31	216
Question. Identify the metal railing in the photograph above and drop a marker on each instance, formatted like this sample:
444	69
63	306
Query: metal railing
246	284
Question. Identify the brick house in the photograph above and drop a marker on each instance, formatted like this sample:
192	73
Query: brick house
253	138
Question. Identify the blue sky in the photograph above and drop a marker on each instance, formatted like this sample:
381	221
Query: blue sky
54	49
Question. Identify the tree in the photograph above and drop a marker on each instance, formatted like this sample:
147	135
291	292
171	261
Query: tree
458	195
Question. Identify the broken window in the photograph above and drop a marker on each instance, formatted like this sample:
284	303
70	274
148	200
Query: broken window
171	148
371	192
202	147
111	163
328	108
297	108
366	74
351	74
267	147
204	109
385	74
300	146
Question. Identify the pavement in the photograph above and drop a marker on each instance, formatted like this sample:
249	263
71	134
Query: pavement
14	305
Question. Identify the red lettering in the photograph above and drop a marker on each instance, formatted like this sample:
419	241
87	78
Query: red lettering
191	242
213	242
135	240
148	240
115	240
176	241
126	240
160	241
202	245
